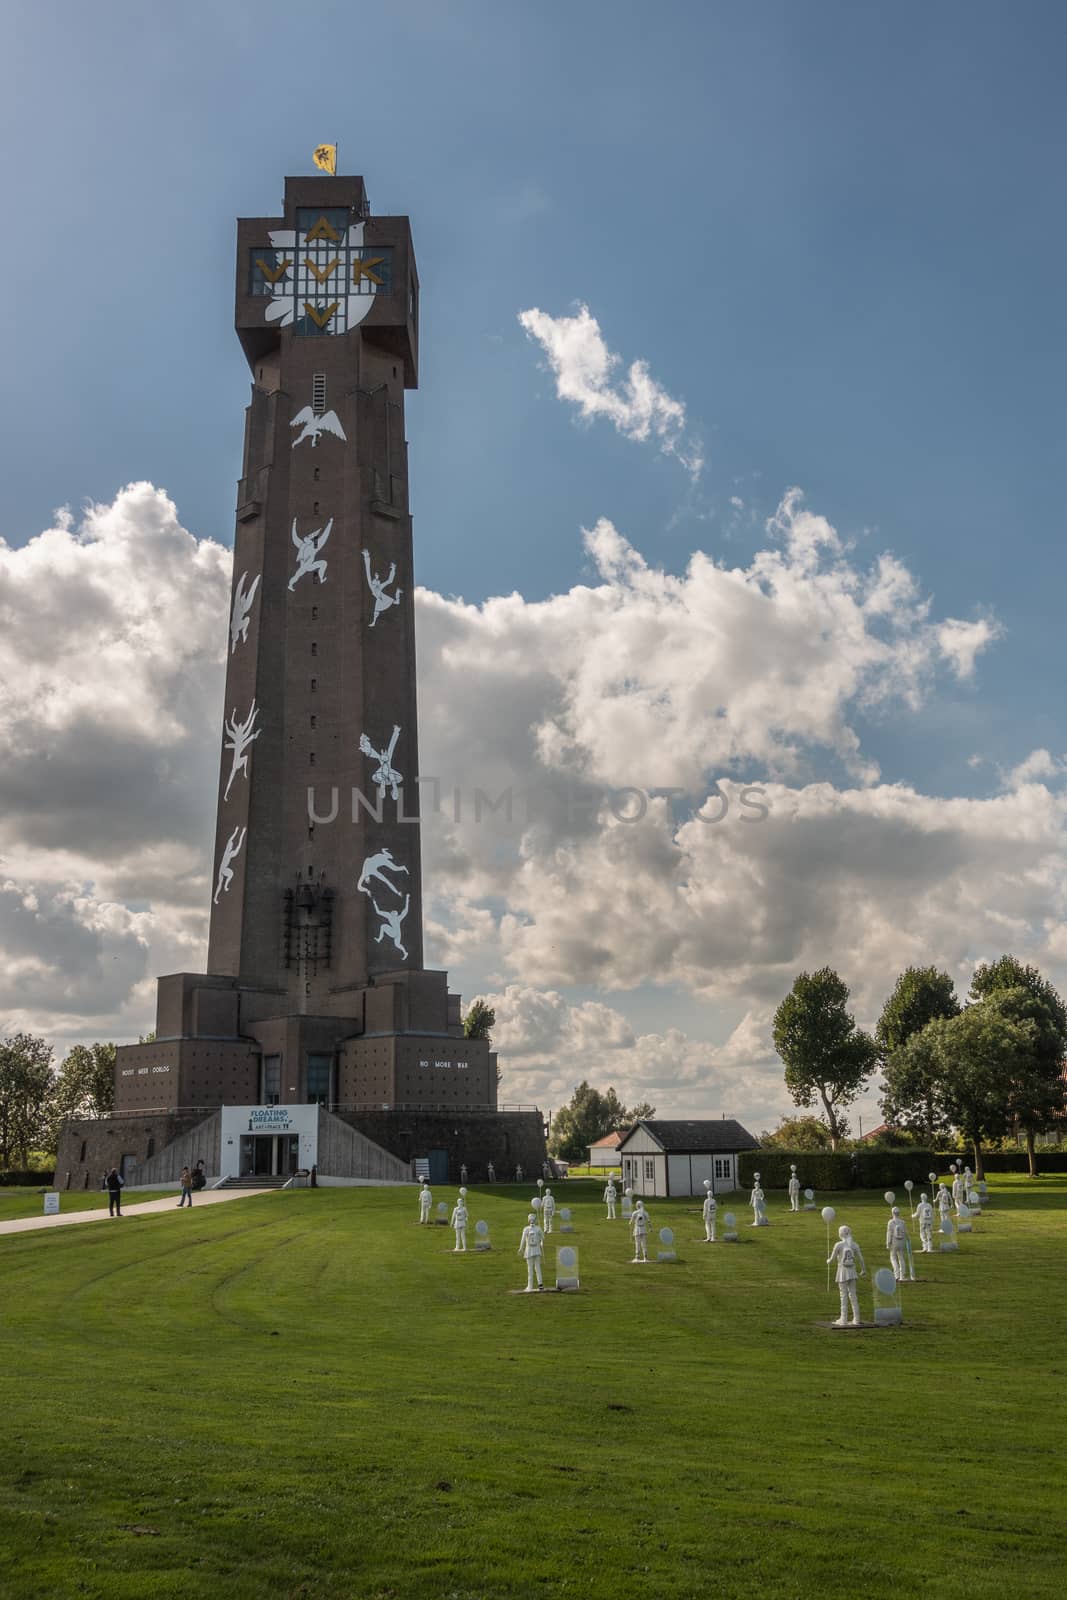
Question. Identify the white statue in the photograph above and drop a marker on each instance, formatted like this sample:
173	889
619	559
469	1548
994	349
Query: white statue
794	1190
425	1202
924	1214
463	1172
531	1245
391	921
896	1242
309	553
377	866
518	1172
758	1202
639	1226
239	736
242	605
848	1257
548	1209
944	1200
490	1171
958	1191
458	1221
385	775
231	850
610	1196
710	1211
378	587
313	426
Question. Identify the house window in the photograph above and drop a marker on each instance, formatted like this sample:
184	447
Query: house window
272	1080
319	1079
722	1166
318	398
650	1169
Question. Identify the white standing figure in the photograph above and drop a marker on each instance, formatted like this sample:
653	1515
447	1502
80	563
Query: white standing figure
848	1257
896	1242
944	1200
425	1201
309	553
532	1245
391	921
610	1197
794	1190
314	425
490	1171
377	866
239	735
378	587
518	1172
924	1215
548	1209
386	775
639	1226
231	850
710	1211
959	1193
463	1172
242	605
458	1221
758	1202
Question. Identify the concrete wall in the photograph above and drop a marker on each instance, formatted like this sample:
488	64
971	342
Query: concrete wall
201	1143
88	1148
345	1152
476	1138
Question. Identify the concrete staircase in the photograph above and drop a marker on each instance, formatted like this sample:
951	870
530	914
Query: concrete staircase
253	1183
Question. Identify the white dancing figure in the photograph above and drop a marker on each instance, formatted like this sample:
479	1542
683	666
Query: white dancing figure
239	736
314	425
391	921
924	1215
896	1242
794	1190
378	587
848	1256
377	866
548	1209
610	1197
710	1210
531	1245
639	1226
309	553
386	775
242	605
458	1221
758	1202
425	1201
231	850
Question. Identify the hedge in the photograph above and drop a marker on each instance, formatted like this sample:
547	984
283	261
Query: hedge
825	1170
29	1179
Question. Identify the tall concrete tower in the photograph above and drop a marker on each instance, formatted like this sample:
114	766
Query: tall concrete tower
315	988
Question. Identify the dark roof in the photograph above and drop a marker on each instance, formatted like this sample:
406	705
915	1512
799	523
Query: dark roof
692	1138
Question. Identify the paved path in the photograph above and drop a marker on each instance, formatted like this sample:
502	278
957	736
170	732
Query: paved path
146	1208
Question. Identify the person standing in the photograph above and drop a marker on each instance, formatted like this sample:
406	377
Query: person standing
425	1201
548	1210
710	1210
115	1187
531	1245
610	1196
186	1181
896	1242
924	1213
794	1190
639	1228
458	1222
848	1256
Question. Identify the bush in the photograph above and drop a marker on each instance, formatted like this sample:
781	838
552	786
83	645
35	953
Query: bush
27	1179
1049	1160
825	1170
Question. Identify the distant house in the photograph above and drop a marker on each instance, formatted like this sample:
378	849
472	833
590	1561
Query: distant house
674	1158
605	1152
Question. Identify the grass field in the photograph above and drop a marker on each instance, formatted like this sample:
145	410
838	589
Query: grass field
18	1203
306	1395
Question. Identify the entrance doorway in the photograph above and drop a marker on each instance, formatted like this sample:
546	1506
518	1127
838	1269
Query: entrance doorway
269	1155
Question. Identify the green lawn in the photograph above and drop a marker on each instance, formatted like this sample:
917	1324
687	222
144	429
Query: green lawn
18	1203
305	1395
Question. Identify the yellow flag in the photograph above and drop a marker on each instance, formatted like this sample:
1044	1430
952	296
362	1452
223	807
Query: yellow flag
325	158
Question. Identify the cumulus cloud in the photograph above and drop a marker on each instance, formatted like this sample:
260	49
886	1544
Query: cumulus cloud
585	373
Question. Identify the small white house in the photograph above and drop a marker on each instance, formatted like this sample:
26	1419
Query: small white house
674	1158
605	1152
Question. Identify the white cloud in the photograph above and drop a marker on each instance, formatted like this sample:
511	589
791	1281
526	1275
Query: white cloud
584	369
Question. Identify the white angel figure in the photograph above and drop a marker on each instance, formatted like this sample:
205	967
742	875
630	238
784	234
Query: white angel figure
378	586
386	775
308	552
377	866
391	921
239	737
313	425
231	850
242	605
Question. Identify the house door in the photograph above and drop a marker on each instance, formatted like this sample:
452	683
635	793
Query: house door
438	1166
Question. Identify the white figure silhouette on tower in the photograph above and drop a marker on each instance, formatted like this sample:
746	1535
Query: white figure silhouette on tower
386	775
231	851
242	605
376	866
378	587
314	425
391	921
239	737
308	553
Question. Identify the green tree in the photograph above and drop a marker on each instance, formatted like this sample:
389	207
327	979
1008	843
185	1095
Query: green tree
980	1054
26	1084
590	1116
479	1021
913	1093
1026	998
921	995
85	1086
827	1058
798	1133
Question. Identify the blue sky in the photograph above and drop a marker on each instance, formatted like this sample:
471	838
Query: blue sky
834	232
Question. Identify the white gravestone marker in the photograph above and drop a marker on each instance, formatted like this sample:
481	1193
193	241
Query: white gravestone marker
565	1223
481	1236
887	1308
51	1205
567	1268
666	1252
